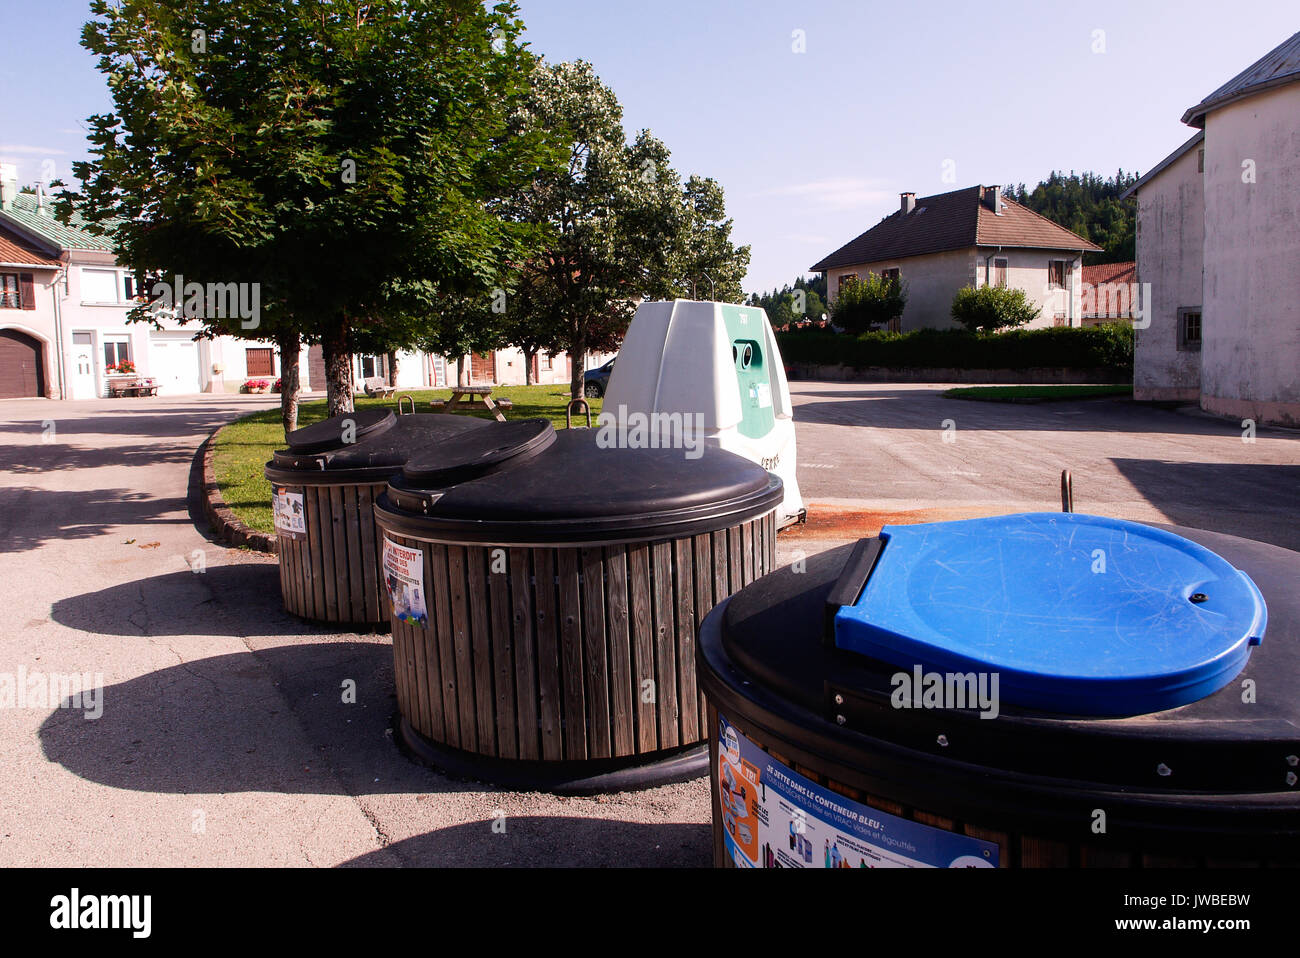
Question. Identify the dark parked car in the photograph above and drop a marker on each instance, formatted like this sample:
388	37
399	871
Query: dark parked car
595	381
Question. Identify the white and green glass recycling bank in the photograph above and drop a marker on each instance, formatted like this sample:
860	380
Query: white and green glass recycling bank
717	368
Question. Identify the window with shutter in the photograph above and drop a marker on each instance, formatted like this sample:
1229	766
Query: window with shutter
9	291
26	291
260	362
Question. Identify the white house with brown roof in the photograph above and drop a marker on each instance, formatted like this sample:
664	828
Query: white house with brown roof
974	237
1219	243
971	237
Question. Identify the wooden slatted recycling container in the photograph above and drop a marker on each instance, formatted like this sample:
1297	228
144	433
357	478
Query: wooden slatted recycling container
546	596
1018	691
324	487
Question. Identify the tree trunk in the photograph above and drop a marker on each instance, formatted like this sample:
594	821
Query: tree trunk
290	380
392	368
338	368
528	367
460	370
577	366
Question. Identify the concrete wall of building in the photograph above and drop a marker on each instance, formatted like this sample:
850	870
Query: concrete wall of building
934	279
1250	357
1027	269
39	323
1170	236
931	282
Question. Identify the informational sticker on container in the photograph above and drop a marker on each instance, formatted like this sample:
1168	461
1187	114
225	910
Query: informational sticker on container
287	512
773	817
404	579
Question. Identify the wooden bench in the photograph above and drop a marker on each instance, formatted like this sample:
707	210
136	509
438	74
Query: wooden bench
118	389
376	388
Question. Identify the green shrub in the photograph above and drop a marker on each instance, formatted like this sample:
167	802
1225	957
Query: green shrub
868	303
992	307
1109	346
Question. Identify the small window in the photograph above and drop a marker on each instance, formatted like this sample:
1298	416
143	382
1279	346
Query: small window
9	291
260	362
1000	266
1189	328
128	282
547	361
99	286
846	278
1059	320
1056	274
892	275
117	350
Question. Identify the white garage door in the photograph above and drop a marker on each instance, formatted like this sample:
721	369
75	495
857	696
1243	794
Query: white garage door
174	362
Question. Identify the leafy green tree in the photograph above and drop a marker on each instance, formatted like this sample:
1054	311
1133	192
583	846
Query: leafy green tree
1090	205
868	303
989	308
348	157
623	227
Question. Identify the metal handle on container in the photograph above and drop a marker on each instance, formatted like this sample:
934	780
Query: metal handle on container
1067	491
852	580
399	405
568	412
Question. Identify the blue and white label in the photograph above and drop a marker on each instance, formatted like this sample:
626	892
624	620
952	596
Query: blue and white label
773	817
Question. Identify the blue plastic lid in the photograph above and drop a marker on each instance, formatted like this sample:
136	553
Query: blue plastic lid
1076	614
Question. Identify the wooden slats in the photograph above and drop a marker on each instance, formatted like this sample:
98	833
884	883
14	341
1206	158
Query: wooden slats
569	614
570	653
665	638
643	648
464	654
688	694
334	574
525	646
440	619
622	679
503	659
549	697
595	655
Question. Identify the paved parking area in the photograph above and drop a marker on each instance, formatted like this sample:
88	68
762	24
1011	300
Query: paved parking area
224	739
872	453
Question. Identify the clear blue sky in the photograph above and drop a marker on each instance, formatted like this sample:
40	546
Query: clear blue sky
814	147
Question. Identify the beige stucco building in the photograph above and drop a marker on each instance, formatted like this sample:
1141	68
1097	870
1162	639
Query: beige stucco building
1219	243
971	237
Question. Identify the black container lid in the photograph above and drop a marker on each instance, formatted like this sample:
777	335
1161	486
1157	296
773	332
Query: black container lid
764	654
328	434
317	453
479	453
575	491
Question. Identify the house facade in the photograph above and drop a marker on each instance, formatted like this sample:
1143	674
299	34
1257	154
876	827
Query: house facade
75	318
1219	243
971	237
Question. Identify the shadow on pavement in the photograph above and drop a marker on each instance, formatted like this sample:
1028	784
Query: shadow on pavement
1215	495
559	841
273	720
33	516
239	599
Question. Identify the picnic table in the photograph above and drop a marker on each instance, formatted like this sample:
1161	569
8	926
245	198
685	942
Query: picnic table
464	396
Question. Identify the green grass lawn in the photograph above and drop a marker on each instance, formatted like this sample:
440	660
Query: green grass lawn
1036	393
241	449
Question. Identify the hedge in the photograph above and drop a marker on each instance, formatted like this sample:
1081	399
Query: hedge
1108	346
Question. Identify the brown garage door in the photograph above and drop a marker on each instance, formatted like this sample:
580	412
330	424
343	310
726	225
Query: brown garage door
22	373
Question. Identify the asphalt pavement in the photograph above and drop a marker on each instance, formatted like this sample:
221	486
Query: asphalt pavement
225	738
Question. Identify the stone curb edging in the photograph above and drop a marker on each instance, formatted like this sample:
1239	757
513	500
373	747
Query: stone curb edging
226	526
